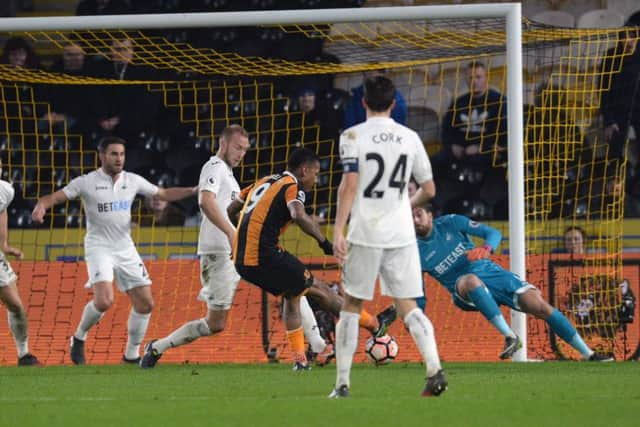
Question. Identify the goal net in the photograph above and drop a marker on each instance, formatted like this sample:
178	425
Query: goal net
181	86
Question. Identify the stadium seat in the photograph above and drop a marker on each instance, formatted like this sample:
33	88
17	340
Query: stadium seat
555	18
16	177
346	81
600	18
425	122
310	4
248	176
437	98
337	98
203	143
160	176
59	178
156	145
212	5
165	179
464	175
170	6
468	206
190	175
20	217
74	217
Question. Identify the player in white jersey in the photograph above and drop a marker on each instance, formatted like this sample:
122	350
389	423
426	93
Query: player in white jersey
379	157
107	195
8	291
217	189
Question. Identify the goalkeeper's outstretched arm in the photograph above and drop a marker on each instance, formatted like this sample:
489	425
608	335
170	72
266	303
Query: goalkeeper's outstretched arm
46	202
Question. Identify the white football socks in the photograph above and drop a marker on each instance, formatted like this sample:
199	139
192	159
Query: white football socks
137	327
310	326
19	330
90	316
185	334
346	343
422	332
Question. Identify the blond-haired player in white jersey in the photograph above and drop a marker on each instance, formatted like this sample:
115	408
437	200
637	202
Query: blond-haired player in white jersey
217	189
107	195
8	291
379	157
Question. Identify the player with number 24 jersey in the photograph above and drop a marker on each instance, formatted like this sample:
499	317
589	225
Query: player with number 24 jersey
381	212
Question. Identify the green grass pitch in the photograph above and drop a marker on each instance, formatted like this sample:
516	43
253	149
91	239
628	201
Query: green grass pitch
488	394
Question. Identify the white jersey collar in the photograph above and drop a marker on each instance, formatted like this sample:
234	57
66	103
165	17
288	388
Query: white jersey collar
103	175
380	119
215	157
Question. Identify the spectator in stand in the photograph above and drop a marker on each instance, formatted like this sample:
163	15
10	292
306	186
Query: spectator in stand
159	212
19	54
307	100
473	128
318	113
355	113
574	241
475	122
102	7
307	105
620	105
123	110
68	102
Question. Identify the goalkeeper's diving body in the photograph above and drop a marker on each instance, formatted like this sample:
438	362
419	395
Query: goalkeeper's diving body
476	283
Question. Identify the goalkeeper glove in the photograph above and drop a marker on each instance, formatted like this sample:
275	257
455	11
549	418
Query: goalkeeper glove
327	247
481	252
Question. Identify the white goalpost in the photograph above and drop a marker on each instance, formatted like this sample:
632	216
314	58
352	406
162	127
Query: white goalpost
510	12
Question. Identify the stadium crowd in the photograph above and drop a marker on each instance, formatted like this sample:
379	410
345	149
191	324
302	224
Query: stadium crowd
165	150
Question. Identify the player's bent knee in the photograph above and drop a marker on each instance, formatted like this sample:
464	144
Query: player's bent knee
103	304
14	307
215	327
533	303
144	307
10	298
467	283
216	321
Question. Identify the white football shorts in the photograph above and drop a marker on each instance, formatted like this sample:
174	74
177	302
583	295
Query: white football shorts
399	270
219	280
7	275
125	266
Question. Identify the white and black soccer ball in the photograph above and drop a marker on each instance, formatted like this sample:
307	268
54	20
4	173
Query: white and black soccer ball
381	350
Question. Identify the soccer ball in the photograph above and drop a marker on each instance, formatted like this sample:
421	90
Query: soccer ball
381	350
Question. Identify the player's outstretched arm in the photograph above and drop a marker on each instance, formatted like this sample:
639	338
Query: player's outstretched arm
426	192
4	238
491	236
176	193
309	226
46	202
